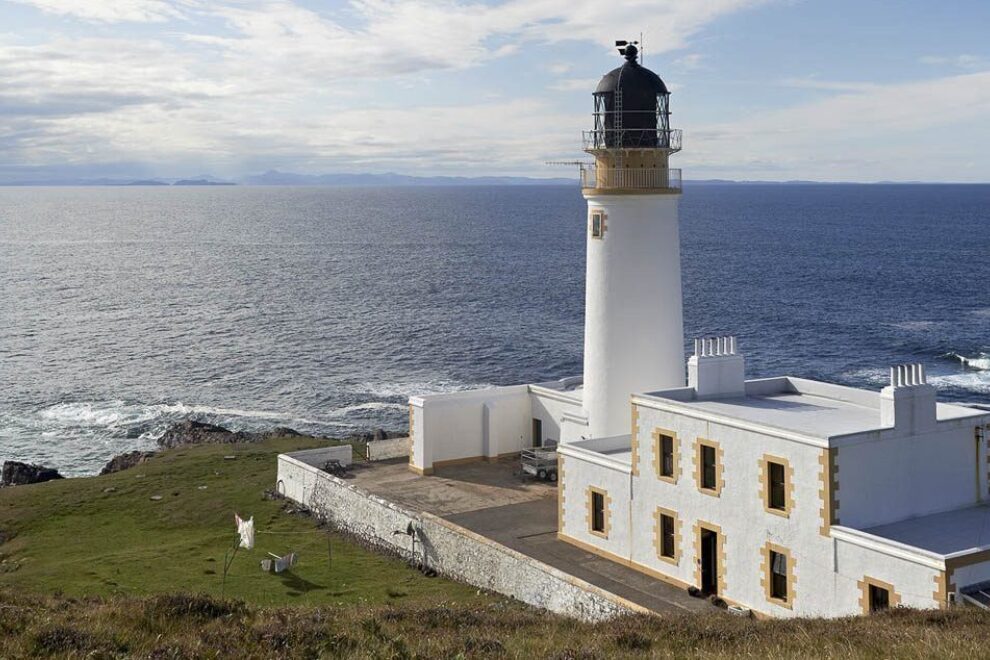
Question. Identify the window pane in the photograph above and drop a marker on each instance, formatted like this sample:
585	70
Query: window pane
708	467
667	453
778	499
667	535
597	512
879	598
778	575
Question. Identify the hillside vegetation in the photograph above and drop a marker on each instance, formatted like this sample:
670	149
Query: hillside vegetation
96	568
179	626
103	536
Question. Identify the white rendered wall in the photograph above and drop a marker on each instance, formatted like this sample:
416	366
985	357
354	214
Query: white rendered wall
549	407
885	476
634	332
913	581
738	510
573	490
474	424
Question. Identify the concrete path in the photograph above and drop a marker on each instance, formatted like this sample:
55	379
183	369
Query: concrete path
531	528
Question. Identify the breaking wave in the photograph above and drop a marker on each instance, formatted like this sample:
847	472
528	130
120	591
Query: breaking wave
981	363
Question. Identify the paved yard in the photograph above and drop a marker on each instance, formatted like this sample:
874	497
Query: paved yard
497	501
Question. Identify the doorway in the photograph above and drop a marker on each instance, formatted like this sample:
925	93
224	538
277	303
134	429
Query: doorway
537	432
709	562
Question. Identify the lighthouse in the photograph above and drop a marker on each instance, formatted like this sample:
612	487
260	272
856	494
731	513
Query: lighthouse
633	332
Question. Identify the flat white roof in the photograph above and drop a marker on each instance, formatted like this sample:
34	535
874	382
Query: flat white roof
804	413
617	448
798	405
948	533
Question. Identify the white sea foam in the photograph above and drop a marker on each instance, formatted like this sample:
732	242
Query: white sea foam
870	375
370	406
974	381
414	388
121	414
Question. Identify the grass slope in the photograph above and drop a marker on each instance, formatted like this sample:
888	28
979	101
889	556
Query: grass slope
103	536
194	627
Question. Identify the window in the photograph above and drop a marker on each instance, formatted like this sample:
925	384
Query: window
708	467
666	456
668	547
778	492
877	595
879	598
778	576
598	224
598	512
709	480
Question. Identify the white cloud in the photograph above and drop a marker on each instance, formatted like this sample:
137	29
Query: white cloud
881	132
972	62
108	11
227	80
827	85
575	85
690	62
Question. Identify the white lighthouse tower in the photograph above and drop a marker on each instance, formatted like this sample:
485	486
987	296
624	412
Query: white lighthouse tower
633	333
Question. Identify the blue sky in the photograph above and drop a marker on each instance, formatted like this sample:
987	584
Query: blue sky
764	89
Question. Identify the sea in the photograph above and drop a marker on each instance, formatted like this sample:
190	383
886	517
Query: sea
124	309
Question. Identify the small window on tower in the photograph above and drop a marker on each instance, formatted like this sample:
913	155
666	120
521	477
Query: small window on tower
597	224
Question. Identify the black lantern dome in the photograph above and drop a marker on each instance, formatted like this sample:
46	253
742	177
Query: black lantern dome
632	107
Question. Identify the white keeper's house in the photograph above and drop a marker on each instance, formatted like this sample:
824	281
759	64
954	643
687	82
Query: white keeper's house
782	495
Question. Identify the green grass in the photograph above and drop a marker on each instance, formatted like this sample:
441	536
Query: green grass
91	573
73	537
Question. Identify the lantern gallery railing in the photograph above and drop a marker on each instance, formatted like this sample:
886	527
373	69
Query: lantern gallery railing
633	138
642	178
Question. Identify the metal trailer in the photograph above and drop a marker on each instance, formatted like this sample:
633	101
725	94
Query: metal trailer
540	463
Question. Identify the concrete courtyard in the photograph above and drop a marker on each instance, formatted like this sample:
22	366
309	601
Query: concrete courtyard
496	500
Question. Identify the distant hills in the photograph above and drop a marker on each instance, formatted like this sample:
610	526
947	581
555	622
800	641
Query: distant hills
277	178
119	182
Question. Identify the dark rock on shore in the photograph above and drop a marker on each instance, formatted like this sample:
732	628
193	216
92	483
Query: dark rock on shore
379	434
190	432
282	432
15	473
125	461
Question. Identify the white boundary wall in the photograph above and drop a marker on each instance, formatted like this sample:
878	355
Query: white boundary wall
447	548
380	450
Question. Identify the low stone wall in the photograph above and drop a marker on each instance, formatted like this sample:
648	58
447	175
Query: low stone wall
449	549
318	457
380	450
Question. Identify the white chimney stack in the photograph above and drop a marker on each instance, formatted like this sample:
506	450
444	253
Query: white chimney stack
716	370
908	403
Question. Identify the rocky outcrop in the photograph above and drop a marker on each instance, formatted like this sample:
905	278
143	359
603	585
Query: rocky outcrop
190	432
282	432
15	473
378	434
125	461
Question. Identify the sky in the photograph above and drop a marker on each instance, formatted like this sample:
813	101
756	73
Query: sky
829	90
